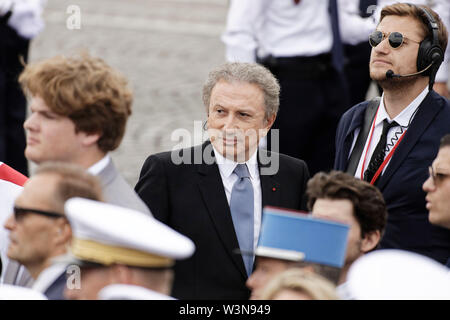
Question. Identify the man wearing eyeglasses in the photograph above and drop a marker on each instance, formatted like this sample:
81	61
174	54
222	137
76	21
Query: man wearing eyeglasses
38	228
390	142
437	187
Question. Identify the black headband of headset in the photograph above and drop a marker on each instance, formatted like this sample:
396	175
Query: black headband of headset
433	26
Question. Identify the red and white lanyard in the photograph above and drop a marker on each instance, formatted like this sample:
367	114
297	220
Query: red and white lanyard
389	156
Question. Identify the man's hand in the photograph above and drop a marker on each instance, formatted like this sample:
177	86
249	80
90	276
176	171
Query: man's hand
442	89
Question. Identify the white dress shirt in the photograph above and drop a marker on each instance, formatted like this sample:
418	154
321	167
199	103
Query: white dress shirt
48	276
277	27
355	29
403	119
226	168
26	16
97	167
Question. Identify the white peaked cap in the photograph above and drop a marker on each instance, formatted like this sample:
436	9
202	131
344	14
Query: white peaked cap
10	292
108	234
396	274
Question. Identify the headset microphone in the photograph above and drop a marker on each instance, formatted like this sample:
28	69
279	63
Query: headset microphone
390	74
430	53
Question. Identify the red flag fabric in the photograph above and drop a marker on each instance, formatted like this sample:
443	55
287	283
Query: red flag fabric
9	174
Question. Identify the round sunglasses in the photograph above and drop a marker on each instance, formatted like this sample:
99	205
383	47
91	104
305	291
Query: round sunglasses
395	39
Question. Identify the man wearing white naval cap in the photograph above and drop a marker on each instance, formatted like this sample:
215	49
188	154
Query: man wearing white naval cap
116	245
392	274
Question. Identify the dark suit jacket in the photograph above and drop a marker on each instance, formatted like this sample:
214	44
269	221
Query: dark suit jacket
191	199
56	290
401	184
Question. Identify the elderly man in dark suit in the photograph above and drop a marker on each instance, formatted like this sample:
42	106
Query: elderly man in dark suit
214	193
391	142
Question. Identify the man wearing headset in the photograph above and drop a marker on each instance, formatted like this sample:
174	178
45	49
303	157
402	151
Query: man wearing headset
391	141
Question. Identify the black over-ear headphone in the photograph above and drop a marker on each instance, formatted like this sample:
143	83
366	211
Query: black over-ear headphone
430	52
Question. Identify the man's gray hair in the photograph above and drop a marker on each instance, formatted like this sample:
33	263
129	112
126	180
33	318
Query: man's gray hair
250	73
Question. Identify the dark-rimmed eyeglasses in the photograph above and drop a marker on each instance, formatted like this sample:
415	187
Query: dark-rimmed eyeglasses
19	212
396	39
437	177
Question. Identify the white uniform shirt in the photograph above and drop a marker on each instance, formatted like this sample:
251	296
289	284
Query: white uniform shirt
277	27
130	292
402	119
48	276
26	16
226	168
355	29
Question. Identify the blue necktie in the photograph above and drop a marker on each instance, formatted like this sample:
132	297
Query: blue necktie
337	51
242	211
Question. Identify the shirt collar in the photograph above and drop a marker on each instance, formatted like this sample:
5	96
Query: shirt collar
227	166
48	276
99	166
404	117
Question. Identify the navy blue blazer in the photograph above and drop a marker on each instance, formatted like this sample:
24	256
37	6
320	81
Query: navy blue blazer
56	289
407	226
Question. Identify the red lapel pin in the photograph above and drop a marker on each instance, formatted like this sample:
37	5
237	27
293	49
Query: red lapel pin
296	2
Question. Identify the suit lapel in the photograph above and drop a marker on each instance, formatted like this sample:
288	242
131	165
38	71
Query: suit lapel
270	187
355	122
425	115
213	193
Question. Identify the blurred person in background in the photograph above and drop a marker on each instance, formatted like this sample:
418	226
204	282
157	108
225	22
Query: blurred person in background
20	21
342	197
38	229
122	253
437	187
317	245
11	185
79	109
299	42
299	284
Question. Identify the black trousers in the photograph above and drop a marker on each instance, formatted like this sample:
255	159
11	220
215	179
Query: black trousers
12	100
313	97
357	71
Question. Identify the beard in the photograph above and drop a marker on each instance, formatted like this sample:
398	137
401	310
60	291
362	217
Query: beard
397	83
394	83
